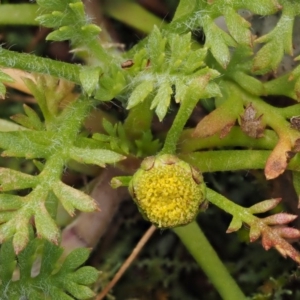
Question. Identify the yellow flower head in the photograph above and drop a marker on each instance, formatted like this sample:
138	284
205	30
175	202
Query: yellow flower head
168	191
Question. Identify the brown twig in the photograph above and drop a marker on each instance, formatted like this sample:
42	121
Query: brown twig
127	262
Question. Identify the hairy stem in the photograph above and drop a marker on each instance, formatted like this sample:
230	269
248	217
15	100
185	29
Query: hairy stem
197	244
132	14
184	112
235	138
32	63
233	160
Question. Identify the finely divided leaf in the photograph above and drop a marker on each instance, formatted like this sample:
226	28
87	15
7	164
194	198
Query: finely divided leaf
72	199
140	93
98	157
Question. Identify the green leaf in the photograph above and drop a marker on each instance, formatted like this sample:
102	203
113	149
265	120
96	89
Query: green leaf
7	230
91	29
89	78
185	7
109	128
15	180
85	275
162	100
38	91
117	138
75	259
23	120
61	279
27	143
140	93
53	4
146	145
156	48
7	262
111	83
181	89
5	216
264	206
5	78
45	225
51	254
255	232
266	7
54	20
78	9
268	58
271	54
21	236
72	199
10	202
33	117
194	60
218	41
94	156
59	294
61	34
238	27
235	224
79	291
180	46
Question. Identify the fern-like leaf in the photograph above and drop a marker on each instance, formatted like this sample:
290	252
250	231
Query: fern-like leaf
56	141
54	280
168	66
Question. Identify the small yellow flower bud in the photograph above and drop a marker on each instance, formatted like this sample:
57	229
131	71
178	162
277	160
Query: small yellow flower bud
167	191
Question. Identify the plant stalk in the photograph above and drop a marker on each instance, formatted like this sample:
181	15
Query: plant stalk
183	114
197	244
32	63
18	14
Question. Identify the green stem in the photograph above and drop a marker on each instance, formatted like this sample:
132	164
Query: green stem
235	138
233	160
230	207
32	63
18	14
132	14
227	160
281	86
183	114
290	111
197	244
245	215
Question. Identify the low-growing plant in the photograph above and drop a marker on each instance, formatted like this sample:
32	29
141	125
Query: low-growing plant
230	72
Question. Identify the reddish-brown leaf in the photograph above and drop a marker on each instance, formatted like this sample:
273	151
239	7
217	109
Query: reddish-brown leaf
279	219
277	161
221	119
271	238
287	232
